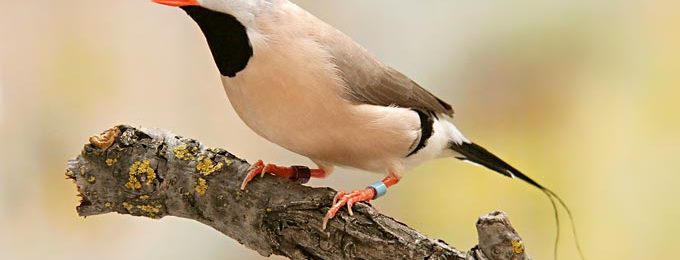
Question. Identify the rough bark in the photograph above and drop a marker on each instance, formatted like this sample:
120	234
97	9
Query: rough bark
153	173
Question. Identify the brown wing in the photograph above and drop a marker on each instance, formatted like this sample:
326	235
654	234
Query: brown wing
371	82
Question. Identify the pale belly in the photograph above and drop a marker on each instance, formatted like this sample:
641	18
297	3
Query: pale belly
316	122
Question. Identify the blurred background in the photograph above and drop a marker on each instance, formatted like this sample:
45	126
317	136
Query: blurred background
581	95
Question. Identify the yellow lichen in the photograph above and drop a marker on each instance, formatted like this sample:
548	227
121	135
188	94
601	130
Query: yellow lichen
133	183
144	197
207	167
517	247
201	186
228	162
150	210
110	162
182	153
128	206
91	179
70	174
139	168
108	205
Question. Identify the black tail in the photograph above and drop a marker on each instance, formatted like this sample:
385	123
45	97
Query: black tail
476	154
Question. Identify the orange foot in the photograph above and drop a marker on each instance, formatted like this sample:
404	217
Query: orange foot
300	174
373	191
343	198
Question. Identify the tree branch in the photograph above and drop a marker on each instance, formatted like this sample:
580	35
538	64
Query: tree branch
153	173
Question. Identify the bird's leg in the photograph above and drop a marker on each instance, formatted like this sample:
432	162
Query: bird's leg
300	174
348	199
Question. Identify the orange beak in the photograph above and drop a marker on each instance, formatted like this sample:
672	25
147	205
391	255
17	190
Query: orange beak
177	3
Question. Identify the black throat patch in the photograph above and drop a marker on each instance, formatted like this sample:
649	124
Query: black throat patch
227	39
426	130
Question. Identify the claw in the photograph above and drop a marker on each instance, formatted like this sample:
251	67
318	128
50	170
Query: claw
325	221
256	169
338	196
347	199
350	204
267	168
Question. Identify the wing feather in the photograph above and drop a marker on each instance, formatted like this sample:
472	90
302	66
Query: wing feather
371	82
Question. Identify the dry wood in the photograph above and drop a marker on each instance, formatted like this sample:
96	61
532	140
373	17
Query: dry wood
153	173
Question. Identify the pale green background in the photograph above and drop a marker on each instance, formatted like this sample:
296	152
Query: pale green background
584	96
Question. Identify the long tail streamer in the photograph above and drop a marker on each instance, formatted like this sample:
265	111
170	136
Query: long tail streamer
476	154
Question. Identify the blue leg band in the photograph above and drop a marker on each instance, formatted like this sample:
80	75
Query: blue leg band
380	189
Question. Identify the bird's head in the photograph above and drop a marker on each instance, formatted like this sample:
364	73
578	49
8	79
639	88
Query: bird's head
225	25
243	10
